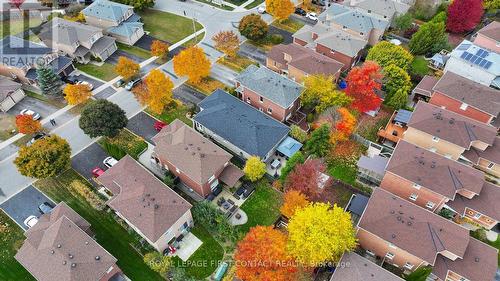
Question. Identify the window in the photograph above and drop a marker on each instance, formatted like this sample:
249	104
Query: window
490	165
269	110
408	266
260	109
261	99
416	186
389	256
435	139
477	216
430	205
464	106
369	11
413	197
248	99
177	170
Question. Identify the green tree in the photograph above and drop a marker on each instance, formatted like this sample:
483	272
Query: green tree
431	37
440	17
49	82
491	4
297	158
45	158
403	22
253	27
206	214
385	53
297	133
254	168
158	262
420	274
102	118
397	86
319	142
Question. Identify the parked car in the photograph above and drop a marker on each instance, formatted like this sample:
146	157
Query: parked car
97	171
36	137
30	221
91	87
30	112
109	161
71	79
158	125
300	11
120	83
45	207
261	9
312	16
319	2
132	83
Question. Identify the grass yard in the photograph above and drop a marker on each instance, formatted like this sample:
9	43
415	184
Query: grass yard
172	113
11	239
237	63
207	85
224	7
369	126
194	41
136	51
419	66
16	26
56	102
108	232
127	141
166	26
289	25
263	206
268	42
7	125
104	72
205	260
342	172
254	4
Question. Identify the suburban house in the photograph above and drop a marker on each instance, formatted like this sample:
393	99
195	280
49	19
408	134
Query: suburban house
489	37
197	161
466	97
20	58
270	93
10	93
331	42
475	63
387	9
424	89
487	160
409	237
79	41
353	267
395	128
298	62
60	247
446	132
152	209
240	128
117	20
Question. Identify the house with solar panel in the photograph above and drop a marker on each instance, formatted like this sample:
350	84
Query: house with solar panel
117	20
475	63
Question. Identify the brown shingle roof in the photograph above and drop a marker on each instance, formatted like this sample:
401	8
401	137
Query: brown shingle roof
450	126
189	151
486	203
412	228
492	153
492	30
7	86
353	267
58	249
467	91
304	59
424	87
433	171
142	199
479	263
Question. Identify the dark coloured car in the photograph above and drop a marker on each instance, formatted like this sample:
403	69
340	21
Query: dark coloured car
36	137
45	208
300	11
71	80
158	125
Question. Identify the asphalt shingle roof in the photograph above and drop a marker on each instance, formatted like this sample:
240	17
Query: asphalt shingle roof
353	18
353	267
107	10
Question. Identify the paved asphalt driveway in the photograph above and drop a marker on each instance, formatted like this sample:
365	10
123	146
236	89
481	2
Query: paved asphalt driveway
36	105
89	158
146	41
253	52
287	36
188	95
106	93
25	204
94	82
142	124
113	59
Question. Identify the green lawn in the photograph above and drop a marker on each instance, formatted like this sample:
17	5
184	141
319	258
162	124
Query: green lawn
127	141
194	41
205	260
289	25
172	113
108	233
16	26
11	239
57	102
496	244
224	7
166	26
342	172
104	72
254	4
144	54
419	66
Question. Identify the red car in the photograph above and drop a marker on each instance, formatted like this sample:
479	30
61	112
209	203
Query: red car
158	125
96	172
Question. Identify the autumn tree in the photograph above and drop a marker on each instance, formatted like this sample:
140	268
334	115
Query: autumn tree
127	68
297	133
193	63
77	93
254	168
155	92
320	91
280	9
320	233
362	82
293	200
385	53
159	49
430	38
27	125
158	262
491	4
319	142
45	158
102	118
464	15
307	178
261	256
253	27
296	158
397	86
344	127
227	42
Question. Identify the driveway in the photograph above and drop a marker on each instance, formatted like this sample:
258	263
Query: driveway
287	35
303	19
89	158
106	93
44	109
113	59
188	95
25	204
146	41
94	82
142	124
253	52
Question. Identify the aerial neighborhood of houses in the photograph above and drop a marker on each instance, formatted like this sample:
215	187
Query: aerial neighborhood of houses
250	140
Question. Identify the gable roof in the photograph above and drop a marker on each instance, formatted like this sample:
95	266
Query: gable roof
424	87
486	203
7	86
491	153
240	124
107	10
353	18
66	32
433	171
189	151
304	59
492	30
143	199
450	126
467	91
353	267
269	84
403	223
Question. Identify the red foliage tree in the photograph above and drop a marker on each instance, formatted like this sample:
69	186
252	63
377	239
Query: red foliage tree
307	178
464	15
362	82
27	125
262	256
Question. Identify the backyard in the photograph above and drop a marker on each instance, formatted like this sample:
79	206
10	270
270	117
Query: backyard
166	26
104	72
127	142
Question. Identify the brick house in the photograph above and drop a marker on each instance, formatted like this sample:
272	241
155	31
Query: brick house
197	161
489	37
269	92
298	62
487	160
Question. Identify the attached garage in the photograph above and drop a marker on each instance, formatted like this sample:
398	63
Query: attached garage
10	93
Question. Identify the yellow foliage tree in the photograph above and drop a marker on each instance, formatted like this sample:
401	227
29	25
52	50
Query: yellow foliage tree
293	201
159	49
320	233
254	168
227	42
76	94
193	63
321	91
280	9
156	91
127	68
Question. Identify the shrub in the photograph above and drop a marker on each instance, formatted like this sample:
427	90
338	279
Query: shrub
276	39
169	179
206	214
297	133
446	213
84	190
479	234
114	150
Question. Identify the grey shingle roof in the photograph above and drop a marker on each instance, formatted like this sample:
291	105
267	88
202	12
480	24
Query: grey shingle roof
353	267
381	7
67	32
353	18
107	10
7	86
240	124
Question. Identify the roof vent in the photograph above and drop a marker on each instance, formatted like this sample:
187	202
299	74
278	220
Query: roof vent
64	262
398	218
58	245
73	265
393	235
97	258
409	223
86	242
70	256
476	259
156	206
392	212
52	251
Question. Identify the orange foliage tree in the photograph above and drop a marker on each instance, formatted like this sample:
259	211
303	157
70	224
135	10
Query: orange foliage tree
155	92
345	126
159	49
77	93
27	125
193	63
362	82
127	68
261	256
293	201
227	42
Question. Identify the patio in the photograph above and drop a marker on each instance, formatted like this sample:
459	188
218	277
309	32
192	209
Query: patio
187	246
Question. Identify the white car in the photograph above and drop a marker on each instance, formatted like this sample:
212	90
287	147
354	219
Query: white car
312	16
109	161
30	221
91	87
261	9
30	112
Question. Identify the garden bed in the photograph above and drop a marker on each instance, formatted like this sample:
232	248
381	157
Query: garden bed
207	85
237	63
126	141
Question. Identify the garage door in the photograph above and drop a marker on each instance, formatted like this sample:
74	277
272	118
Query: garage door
11	100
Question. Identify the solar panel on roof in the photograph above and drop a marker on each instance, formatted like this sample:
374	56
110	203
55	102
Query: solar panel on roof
483	63
463	47
488	64
468	56
464	54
